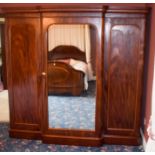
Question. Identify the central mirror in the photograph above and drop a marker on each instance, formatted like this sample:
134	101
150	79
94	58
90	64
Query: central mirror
71	79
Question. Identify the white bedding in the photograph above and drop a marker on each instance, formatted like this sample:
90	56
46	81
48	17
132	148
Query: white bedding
81	66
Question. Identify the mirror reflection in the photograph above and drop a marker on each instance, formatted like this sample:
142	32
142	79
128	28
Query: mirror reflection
71	77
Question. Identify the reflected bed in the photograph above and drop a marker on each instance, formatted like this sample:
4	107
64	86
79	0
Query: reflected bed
67	71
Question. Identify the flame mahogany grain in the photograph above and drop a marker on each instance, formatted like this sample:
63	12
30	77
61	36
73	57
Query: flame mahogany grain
119	67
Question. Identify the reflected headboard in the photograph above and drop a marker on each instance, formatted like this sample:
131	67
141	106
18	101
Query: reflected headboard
66	52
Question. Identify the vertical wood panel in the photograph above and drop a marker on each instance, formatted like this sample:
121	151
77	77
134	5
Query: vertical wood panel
125	42
24	63
124	48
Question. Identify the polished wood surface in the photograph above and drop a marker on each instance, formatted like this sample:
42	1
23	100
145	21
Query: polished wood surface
72	140
57	8
119	53
127	10
121	140
22	59
63	79
123	65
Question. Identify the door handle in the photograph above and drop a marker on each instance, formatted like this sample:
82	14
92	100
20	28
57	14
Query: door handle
43	74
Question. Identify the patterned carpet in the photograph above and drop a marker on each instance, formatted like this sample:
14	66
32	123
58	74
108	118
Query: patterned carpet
22	145
73	112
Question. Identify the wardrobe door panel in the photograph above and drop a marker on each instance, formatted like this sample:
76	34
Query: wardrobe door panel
23	72
123	65
123	59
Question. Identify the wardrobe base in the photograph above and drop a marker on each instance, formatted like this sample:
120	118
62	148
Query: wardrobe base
71	140
25	134
121	140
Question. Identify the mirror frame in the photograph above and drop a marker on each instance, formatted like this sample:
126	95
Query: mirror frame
74	136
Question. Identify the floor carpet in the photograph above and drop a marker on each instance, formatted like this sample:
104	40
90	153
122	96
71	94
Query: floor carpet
8	144
73	112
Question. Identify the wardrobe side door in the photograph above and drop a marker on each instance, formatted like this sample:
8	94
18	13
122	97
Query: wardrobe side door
23	58
123	65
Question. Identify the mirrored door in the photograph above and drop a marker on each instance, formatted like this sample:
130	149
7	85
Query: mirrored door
71	77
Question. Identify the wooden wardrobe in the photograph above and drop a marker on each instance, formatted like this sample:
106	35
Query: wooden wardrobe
120	48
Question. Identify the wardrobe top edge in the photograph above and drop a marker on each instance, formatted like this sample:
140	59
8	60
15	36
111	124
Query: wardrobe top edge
122	9
75	9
